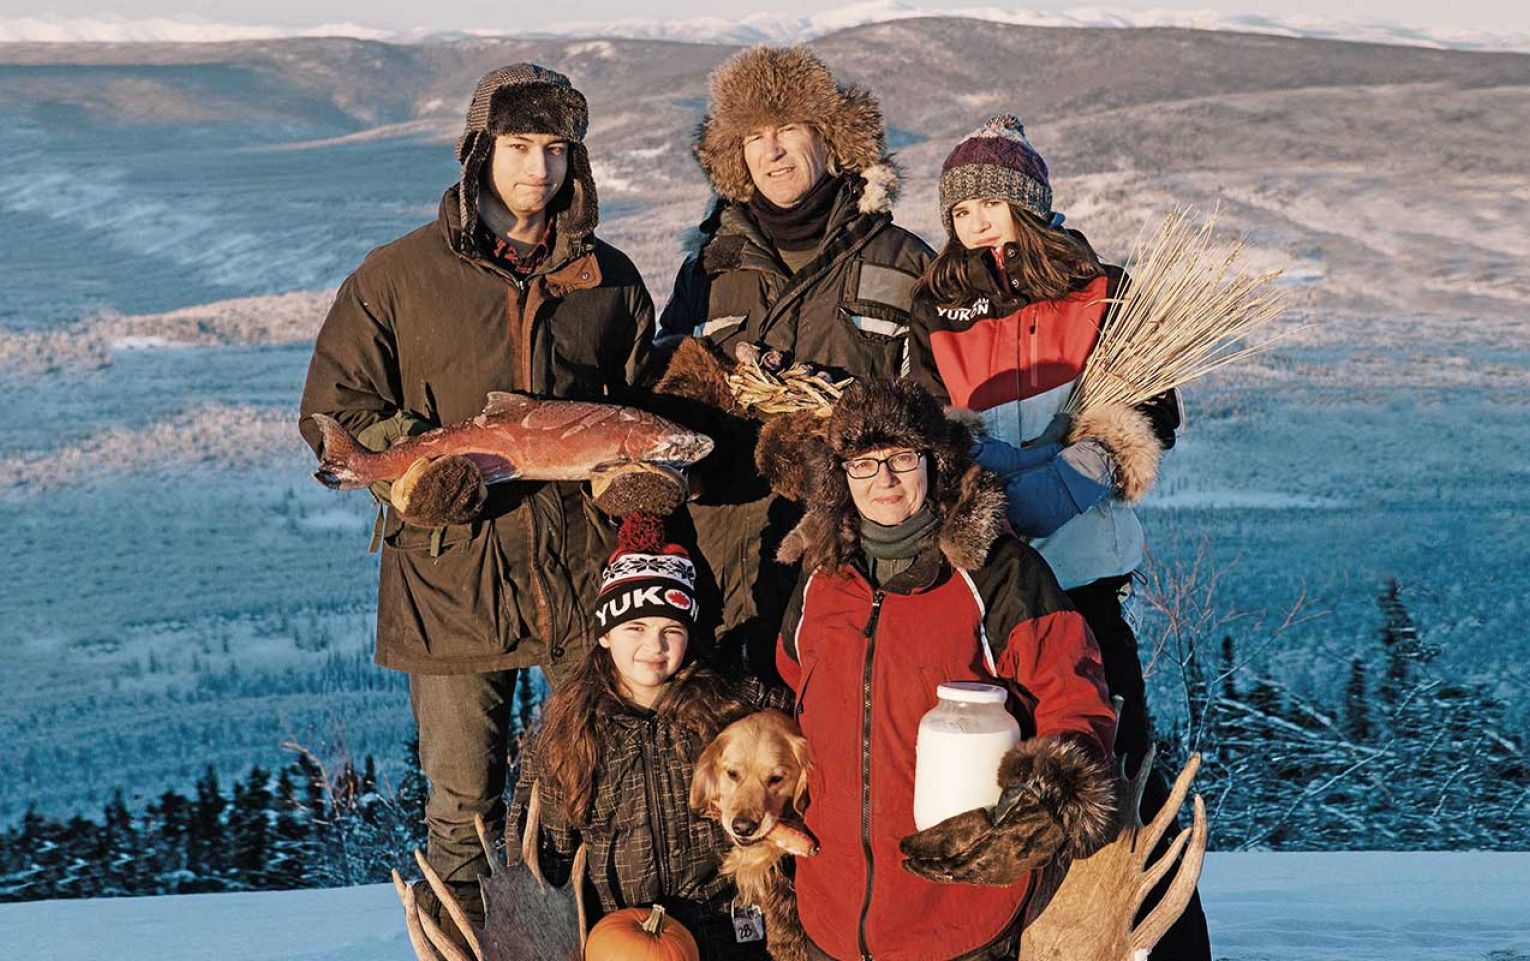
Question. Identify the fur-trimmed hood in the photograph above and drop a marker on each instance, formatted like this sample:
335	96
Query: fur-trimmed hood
527	98
871	414
772	86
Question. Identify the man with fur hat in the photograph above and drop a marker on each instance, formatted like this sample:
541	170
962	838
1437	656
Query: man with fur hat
507	289
799	255
799	252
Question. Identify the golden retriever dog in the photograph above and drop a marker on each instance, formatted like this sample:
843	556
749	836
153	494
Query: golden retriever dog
751	777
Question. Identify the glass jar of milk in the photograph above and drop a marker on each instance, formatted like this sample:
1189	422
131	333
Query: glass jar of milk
961	741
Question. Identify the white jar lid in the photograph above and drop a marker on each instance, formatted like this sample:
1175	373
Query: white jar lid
972	692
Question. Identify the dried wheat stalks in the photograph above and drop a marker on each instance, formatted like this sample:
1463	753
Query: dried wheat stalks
796	388
1188	311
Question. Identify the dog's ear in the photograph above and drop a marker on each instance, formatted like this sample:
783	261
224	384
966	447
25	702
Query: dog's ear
704	781
804	765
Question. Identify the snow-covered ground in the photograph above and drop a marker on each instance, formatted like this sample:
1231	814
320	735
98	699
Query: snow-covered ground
1262	907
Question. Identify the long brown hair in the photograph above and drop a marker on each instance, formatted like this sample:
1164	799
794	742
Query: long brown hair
697	699
1053	262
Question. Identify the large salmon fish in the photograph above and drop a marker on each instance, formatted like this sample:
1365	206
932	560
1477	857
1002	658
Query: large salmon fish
519	438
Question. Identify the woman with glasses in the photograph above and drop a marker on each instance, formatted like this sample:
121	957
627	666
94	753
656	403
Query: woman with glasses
909	581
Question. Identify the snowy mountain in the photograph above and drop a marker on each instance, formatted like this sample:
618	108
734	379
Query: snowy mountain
780	28
767	27
182	593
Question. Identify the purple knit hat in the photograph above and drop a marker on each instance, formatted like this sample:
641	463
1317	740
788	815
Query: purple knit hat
995	160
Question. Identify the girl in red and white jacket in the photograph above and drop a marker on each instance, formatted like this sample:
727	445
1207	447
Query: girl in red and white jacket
1003	323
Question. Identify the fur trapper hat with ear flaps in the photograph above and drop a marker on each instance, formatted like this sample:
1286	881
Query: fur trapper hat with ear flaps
526	98
772	86
880	414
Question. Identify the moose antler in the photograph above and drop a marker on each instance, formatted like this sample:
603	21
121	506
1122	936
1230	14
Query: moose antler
1087	910
524	917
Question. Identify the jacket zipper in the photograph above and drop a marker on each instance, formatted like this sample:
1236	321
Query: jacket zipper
539	589
538	584
800	281
655	810
870	634
1035	378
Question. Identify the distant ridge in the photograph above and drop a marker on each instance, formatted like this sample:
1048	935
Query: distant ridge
762	28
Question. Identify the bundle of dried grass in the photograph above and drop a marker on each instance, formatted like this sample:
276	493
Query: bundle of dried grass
1189	311
797	388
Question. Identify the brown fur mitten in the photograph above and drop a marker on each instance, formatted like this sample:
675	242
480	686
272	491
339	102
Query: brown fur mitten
1066	777
698	372
1133	446
649	488
970	849
1057	797
435	493
784	451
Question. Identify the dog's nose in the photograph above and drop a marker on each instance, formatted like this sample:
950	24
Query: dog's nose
745	827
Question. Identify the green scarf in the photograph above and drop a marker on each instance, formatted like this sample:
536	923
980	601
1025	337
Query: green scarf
891	550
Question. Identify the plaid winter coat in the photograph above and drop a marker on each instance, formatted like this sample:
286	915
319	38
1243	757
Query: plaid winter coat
643	843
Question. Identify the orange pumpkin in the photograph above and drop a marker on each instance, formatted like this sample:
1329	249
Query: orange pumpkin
640	934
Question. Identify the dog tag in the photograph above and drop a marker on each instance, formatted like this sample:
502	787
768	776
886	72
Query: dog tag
748	924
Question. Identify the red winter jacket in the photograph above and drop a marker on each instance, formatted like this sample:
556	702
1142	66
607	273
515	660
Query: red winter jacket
865	664
1015	363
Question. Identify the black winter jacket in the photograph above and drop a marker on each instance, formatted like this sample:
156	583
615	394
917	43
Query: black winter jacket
847	309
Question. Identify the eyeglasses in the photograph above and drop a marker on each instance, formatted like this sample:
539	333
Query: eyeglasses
862	468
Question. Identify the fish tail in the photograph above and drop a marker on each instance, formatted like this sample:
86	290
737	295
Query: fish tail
341	458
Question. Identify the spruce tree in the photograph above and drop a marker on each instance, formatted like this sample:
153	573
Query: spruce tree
73	858
1228	668
170	852
290	847
250	831
28	880
120	849
413	790
1357	711
206	851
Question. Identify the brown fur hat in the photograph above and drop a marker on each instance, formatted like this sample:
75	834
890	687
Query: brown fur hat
527	98
771	86
874	414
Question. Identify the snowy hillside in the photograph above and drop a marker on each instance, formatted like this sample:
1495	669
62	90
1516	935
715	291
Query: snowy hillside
1261	907
182	592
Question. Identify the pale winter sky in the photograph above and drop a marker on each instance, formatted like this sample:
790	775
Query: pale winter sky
1478	16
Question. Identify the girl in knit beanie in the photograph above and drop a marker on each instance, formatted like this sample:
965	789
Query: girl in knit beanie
1004	321
617	748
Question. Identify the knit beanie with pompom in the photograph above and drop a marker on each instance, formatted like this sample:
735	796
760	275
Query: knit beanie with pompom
995	160
646	577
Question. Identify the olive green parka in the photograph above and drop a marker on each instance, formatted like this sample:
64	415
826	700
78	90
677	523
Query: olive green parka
418	336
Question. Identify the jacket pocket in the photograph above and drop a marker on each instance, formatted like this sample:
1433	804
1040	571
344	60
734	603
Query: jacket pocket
881	334
452	601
